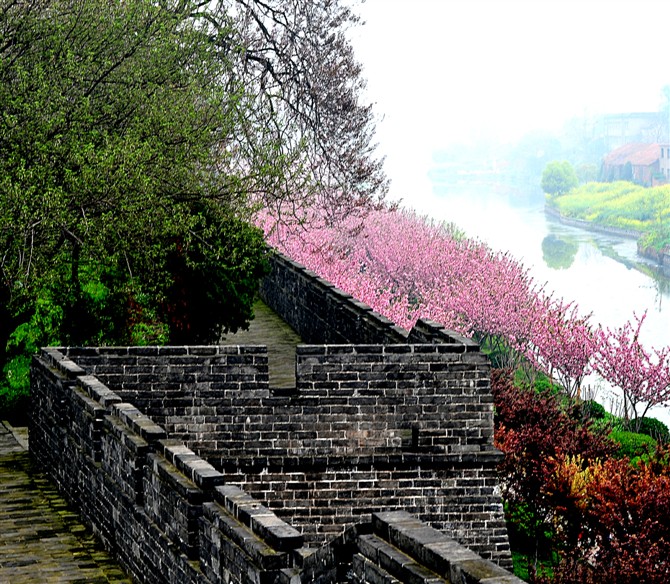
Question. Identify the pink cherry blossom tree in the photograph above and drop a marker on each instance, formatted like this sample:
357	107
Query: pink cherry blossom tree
562	344
406	266
643	376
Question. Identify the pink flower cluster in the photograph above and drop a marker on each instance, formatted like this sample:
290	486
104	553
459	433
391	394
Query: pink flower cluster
405	267
642	375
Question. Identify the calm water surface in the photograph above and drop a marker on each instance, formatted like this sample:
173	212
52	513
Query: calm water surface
602	273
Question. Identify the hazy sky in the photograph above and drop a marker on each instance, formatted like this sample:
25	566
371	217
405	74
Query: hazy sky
452	70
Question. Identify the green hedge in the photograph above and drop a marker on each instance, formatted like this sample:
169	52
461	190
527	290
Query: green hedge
656	429
632	444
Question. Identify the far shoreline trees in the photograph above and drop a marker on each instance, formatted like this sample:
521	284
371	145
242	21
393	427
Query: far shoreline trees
558	178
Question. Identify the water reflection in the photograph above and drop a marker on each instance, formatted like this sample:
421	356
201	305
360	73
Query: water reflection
558	253
623	251
602	273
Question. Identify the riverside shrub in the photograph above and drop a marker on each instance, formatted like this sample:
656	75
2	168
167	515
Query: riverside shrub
608	519
622	512
656	429
632	444
536	433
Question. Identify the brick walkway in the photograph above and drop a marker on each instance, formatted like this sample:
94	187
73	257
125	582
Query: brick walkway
41	540
267	328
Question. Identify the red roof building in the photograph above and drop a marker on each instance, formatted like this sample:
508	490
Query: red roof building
638	163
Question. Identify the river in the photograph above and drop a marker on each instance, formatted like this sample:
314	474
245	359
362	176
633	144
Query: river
602	273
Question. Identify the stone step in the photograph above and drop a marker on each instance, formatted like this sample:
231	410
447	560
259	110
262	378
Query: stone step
390	565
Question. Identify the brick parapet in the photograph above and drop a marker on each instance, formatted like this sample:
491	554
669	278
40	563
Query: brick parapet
321	313
429	331
224	479
396	547
326	457
151	500
350	399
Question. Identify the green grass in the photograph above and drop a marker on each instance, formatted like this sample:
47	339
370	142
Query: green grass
522	562
621	204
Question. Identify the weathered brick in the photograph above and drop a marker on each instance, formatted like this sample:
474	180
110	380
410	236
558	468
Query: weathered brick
380	420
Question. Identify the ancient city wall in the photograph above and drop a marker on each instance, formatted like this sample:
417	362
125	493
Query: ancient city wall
321	313
163	511
192	469
369	427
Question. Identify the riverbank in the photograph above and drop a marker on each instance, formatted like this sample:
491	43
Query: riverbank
591	226
661	257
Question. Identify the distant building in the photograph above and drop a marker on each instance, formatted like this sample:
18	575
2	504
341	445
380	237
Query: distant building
638	163
626	128
664	162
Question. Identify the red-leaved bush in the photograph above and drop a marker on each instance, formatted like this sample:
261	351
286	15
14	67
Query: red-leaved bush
536	434
620	515
608	519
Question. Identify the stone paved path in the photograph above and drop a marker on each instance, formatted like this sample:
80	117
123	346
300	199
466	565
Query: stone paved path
267	328
41	540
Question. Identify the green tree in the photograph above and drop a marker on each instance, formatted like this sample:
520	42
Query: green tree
138	138
587	173
114	118
558	178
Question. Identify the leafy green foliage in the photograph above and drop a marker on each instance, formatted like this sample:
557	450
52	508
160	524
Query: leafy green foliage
42	329
219	278
120	152
528	531
631	444
622	205
107	139
559	178
526	568
594	410
657	237
544	385
654	428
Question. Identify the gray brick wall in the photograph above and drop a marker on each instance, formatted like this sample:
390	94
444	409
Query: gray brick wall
369	428
191	468
321	313
151	501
